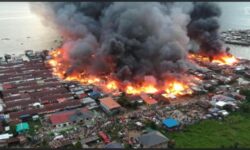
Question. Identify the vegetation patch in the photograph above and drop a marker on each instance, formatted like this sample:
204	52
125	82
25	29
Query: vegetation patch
231	132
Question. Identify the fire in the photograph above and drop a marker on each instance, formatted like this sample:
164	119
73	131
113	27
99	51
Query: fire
112	85
53	62
55	53
107	83
149	89
88	80
221	59
176	88
131	90
225	60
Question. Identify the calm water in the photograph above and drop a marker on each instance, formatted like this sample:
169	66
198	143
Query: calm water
236	15
17	23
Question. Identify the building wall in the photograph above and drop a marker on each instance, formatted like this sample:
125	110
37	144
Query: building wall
105	108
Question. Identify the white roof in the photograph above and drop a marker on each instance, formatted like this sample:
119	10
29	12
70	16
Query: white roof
7	116
220	103
5	136
7	128
224	112
36	116
36	104
1	108
58	137
138	123
140	101
88	100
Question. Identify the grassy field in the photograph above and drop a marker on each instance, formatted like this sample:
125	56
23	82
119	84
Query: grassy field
233	131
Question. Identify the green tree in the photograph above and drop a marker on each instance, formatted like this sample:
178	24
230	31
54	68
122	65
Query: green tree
78	145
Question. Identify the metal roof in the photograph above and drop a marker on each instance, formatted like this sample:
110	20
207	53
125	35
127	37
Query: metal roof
170	122
152	138
22	126
109	102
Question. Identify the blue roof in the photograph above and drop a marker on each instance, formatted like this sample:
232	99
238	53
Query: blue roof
170	122
95	94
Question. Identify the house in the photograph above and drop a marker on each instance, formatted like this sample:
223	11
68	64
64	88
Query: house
170	123
91	139
109	105
5	136
148	100
229	105
22	127
135	99
222	98
79	116
65	118
87	100
90	103
220	104
104	137
223	113
153	139
94	94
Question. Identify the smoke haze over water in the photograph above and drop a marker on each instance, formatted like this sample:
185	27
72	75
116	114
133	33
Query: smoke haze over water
132	39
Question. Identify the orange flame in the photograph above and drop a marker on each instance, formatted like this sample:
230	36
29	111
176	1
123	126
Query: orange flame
131	90
59	67
112	85
150	89
225	60
53	62
221	59
177	89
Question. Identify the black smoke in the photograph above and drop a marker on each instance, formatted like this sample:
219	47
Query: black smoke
130	40
204	27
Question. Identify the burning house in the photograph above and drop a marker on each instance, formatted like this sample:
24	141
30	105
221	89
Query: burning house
148	100
113	49
121	59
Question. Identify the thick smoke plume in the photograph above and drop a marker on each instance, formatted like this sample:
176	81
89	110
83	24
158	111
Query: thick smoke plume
204	27
131	39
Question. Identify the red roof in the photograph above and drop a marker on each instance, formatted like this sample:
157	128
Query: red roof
149	100
7	86
82	95
53	107
104	137
63	117
60	118
109	102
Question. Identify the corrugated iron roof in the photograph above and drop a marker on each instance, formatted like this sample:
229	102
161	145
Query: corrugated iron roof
63	117
109	102
149	100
